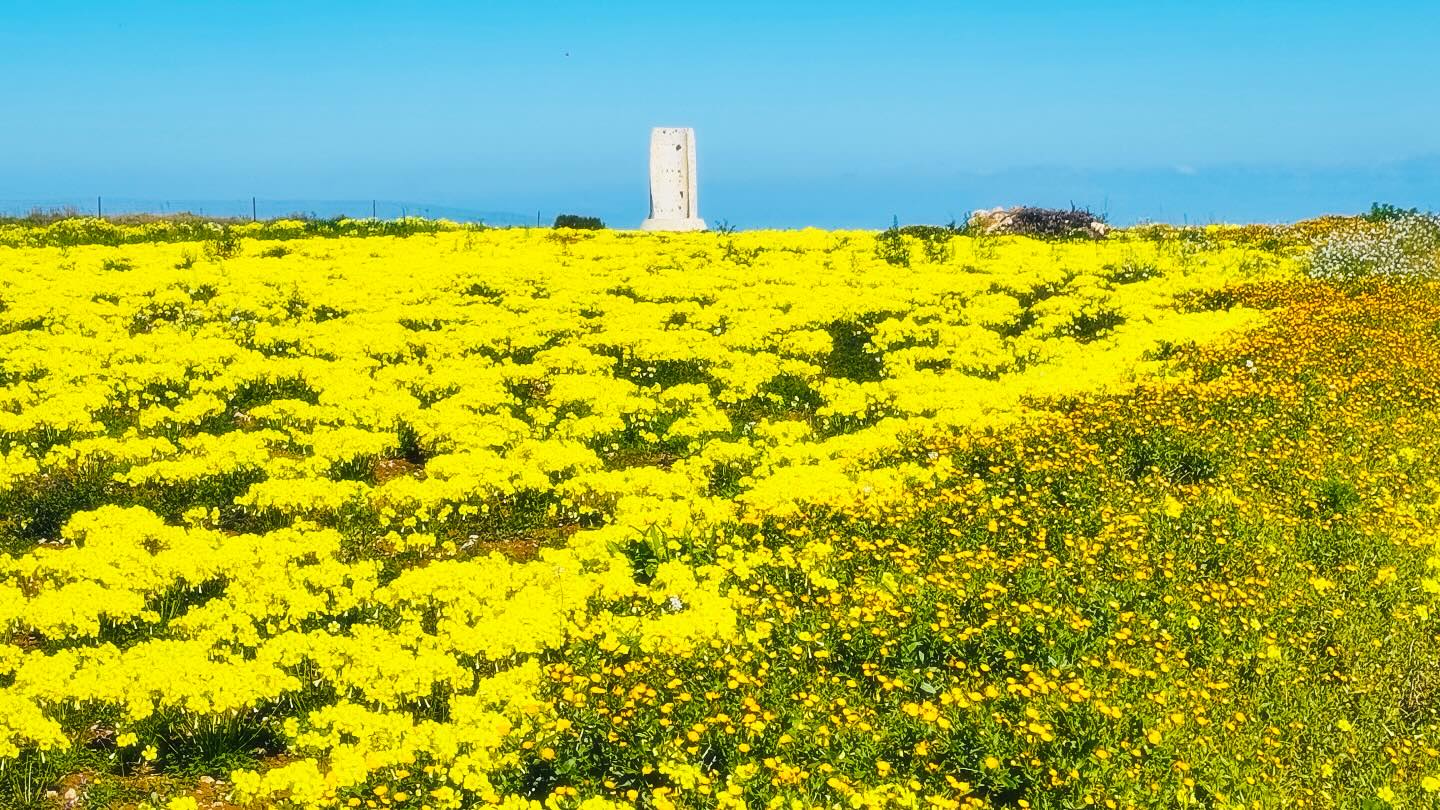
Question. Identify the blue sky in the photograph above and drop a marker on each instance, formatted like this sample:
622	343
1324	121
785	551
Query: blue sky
833	114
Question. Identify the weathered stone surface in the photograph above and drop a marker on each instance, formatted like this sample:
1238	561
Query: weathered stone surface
674	202
990	220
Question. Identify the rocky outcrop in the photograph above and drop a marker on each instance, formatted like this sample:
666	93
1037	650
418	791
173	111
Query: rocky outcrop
1030	221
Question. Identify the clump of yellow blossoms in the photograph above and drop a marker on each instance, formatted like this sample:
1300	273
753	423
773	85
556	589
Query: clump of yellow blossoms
537	518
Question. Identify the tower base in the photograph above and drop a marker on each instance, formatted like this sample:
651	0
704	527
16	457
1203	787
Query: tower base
687	224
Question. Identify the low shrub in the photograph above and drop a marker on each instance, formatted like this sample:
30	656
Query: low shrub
890	244
223	245
1385	212
1051	223
579	223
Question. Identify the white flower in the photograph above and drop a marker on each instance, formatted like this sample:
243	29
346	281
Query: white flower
1408	247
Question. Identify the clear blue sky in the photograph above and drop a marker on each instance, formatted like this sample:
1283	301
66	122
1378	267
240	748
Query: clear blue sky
831	114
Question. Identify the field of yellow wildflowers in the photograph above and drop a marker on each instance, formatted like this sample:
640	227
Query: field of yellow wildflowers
447	517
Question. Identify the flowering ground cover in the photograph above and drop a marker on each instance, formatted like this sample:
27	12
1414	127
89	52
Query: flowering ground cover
445	517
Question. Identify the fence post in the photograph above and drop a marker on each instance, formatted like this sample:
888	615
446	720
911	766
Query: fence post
98	210
253	218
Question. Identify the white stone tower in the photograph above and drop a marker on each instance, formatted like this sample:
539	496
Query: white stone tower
673	202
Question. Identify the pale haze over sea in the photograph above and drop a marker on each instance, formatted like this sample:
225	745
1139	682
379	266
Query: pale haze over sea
1179	195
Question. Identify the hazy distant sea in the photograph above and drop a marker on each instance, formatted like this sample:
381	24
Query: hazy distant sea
262	208
734	195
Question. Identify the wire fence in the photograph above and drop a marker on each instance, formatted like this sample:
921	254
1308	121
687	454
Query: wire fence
257	208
